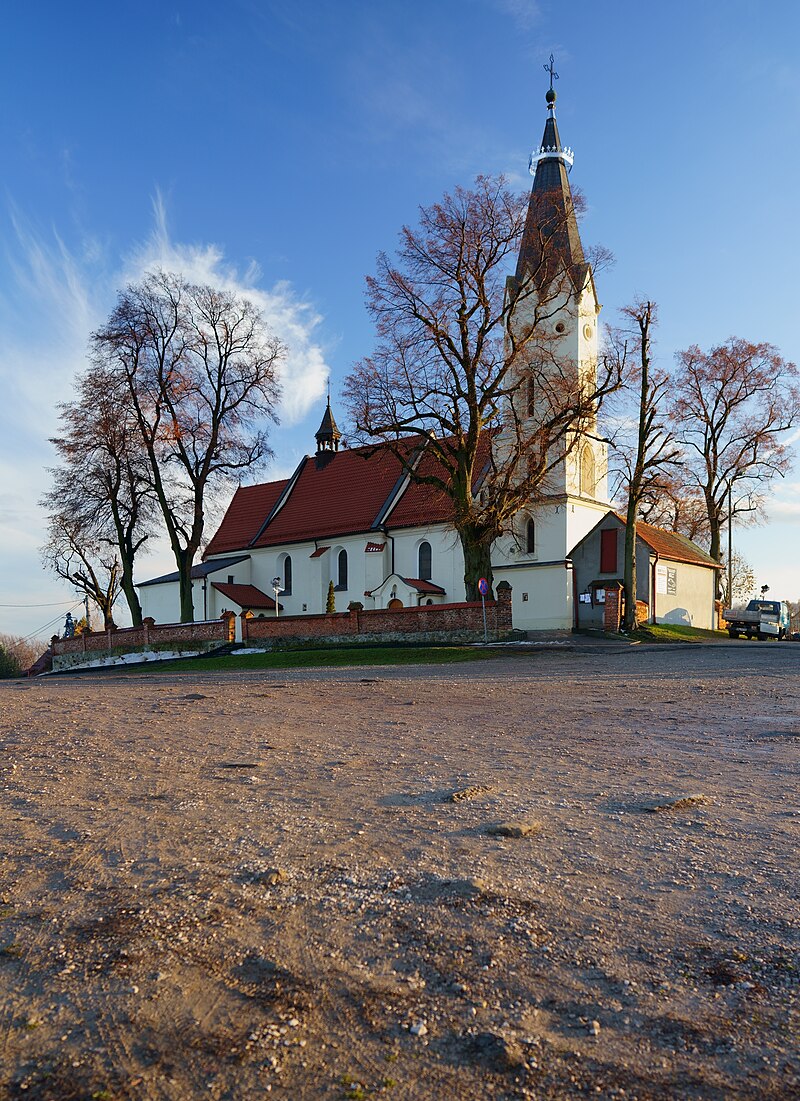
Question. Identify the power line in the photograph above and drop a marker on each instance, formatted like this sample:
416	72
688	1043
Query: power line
52	604
50	623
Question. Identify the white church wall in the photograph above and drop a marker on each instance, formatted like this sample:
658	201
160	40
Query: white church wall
541	596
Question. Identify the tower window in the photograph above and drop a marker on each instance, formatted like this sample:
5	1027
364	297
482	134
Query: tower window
587	472
561	327
287	576
531	397
530	537
425	562
341	571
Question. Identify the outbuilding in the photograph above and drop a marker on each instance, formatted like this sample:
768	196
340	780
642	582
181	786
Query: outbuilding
675	578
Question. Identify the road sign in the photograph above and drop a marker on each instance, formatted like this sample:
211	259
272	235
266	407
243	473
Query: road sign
483	586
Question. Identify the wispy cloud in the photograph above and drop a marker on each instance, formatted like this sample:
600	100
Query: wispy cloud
305	373
58	295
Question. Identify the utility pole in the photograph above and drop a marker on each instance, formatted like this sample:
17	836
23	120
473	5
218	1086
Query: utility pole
86	606
730	544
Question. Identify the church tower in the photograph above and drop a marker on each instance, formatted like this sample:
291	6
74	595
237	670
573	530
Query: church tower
555	292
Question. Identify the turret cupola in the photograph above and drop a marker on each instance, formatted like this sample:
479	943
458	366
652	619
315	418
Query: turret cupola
327	436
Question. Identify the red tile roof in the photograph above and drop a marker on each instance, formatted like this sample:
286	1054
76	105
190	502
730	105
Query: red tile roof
342	497
246	513
246	596
425	504
353	491
672	545
423	586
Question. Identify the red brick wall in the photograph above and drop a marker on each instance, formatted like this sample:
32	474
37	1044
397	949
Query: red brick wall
147	635
455	619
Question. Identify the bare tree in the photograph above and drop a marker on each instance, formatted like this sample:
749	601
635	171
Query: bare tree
669	502
733	407
466	384
742	578
103	483
653	449
79	557
20	653
200	371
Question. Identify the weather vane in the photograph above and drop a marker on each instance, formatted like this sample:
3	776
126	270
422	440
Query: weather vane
551	70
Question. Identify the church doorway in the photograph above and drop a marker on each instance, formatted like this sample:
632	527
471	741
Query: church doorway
394	604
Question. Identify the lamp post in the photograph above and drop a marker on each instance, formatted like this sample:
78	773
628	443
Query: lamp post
277	587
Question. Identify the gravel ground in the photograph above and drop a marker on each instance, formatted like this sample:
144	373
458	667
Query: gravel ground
550	876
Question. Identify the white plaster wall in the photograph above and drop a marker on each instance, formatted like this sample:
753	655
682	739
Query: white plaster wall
548	590
693	603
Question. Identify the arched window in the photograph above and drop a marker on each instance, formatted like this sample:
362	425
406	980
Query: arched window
425	562
530	537
587	472
341	571
287	576
531	396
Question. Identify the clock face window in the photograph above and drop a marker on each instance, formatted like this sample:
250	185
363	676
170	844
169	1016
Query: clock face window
587	331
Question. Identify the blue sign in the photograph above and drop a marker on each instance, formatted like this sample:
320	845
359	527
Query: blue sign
483	586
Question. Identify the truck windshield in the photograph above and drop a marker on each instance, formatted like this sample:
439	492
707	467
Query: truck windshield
765	606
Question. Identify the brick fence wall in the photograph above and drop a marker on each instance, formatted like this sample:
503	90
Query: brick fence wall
149	634
432	622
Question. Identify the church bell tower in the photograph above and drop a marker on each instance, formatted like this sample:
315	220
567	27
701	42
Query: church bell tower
555	291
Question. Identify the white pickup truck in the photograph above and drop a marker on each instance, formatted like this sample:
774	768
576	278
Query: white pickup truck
760	619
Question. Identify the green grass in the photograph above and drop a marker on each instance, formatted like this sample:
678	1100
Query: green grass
310	659
676	632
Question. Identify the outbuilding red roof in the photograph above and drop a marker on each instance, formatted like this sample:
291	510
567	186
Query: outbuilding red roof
246	596
423	586
672	545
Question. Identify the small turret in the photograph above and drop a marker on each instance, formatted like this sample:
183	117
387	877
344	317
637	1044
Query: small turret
327	436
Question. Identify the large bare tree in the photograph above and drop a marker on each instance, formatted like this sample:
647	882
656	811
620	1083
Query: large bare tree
649	449
733	407
102	488
466	367
199	368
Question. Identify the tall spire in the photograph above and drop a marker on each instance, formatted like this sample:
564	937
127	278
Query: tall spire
551	239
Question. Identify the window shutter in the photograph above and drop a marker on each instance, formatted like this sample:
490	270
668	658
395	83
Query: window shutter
608	551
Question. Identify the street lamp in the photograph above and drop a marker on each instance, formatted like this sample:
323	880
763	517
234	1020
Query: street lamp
277	587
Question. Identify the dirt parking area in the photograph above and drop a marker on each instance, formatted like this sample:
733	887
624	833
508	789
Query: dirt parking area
552	876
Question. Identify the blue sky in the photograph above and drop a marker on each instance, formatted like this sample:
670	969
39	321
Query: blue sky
278	147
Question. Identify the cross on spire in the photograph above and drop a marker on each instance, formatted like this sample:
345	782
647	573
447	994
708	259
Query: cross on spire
551	70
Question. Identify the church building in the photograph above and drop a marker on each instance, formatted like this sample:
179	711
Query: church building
356	518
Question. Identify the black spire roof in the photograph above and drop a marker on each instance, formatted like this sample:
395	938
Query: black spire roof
551	240
328	435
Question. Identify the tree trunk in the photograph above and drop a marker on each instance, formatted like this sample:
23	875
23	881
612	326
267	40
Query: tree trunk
185	559
629	577
715	544
131	595
477	549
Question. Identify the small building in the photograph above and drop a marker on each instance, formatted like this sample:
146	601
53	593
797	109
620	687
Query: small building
675	578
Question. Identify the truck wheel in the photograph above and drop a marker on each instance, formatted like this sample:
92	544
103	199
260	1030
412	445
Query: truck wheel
760	636
732	633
